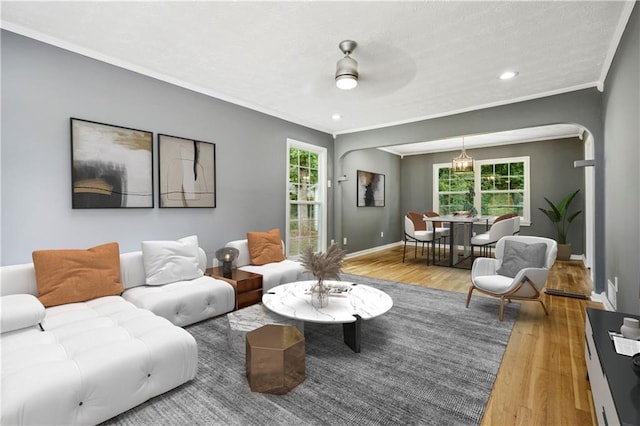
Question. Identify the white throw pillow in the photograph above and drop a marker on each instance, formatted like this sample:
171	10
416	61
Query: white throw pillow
20	311
170	261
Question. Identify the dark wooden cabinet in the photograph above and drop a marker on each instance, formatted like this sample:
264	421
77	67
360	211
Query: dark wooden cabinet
247	285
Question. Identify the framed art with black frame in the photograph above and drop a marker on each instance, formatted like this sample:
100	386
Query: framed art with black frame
370	189
187	172
111	166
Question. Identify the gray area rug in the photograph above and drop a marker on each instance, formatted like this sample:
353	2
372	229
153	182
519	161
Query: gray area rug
429	360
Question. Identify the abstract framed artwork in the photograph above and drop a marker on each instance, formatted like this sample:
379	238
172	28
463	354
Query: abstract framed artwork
187	172
111	166
370	189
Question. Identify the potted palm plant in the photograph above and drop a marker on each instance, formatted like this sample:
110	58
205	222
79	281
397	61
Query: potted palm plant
559	215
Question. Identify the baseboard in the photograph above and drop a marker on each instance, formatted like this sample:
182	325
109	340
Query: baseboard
384	247
602	298
372	250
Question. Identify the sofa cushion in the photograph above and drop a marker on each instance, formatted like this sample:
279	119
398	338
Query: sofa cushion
185	302
19	311
276	273
518	256
69	276
265	247
171	261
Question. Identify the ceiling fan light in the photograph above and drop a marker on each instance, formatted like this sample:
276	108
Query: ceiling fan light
346	82
346	73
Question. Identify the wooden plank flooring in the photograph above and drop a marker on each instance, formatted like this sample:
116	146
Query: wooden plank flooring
543	377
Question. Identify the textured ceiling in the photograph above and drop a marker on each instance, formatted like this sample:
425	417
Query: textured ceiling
416	59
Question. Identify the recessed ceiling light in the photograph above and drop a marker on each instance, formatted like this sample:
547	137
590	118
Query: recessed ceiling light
508	75
336	117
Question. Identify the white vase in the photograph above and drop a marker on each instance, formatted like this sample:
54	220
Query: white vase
630	328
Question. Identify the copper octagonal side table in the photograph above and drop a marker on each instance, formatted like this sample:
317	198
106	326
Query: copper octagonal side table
275	358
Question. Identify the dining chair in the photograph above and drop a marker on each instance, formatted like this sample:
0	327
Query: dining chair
519	271
499	228
415	229
516	224
444	231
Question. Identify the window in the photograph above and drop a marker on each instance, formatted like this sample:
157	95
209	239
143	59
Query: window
306	199
500	186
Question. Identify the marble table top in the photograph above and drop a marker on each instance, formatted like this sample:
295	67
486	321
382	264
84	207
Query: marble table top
293	300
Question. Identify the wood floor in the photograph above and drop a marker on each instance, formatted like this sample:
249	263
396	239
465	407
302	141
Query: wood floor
543	377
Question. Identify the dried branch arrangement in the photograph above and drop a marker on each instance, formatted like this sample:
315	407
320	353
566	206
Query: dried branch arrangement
324	265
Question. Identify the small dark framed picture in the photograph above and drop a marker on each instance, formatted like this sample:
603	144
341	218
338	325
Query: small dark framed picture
370	189
187	172
111	166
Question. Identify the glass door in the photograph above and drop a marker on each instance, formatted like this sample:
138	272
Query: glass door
306	199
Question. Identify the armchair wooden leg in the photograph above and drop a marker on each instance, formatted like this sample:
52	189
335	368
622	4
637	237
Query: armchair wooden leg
404	250
469	295
544	307
501	316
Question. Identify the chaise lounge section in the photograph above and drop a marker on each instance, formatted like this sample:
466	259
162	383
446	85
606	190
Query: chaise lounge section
86	361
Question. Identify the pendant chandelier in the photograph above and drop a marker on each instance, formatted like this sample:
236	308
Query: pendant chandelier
462	163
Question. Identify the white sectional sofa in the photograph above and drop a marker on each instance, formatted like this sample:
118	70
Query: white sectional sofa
274	273
85	362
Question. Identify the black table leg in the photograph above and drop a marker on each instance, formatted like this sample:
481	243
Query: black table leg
451	238
351	332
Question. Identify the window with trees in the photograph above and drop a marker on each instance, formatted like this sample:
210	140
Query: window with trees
306	198
495	187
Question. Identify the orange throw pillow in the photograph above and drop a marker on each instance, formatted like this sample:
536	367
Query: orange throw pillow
69	276
265	247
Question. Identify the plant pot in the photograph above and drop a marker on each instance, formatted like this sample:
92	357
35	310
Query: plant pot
564	252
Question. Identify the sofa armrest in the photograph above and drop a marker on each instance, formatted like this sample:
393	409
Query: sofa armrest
18	279
538	276
243	248
20	311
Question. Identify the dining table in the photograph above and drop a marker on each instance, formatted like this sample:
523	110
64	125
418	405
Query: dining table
457	222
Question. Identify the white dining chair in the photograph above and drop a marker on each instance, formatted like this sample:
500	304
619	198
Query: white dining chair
415	229
499	229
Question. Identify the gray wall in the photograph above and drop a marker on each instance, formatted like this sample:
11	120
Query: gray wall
363	225
622	156
42	86
551	176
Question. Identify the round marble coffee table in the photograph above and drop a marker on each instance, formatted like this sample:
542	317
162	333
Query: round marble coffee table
359	302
